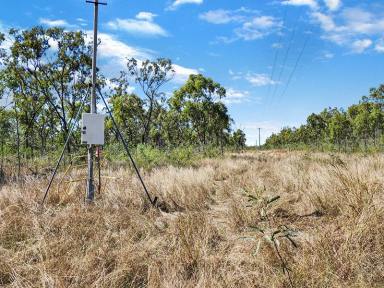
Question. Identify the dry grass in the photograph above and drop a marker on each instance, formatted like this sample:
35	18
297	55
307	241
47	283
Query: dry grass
225	228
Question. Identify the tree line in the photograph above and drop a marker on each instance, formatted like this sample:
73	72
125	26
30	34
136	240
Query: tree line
359	127
45	75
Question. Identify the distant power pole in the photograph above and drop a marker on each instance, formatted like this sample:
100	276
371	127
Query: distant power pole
259	138
90	179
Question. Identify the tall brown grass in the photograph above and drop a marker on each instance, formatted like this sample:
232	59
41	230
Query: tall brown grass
268	219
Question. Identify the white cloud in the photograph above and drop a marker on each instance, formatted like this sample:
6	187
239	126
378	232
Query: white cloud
328	55
182	73
277	46
333	5
259	80
255	79
178	3
258	28
359	46
251	26
380	46
142	25
116	53
326	21
360	21
311	3
354	28
235	75
148	16
221	16
225	40
234	96
56	23
325	56
111	47
82	22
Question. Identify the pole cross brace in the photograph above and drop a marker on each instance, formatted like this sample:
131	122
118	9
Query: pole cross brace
96	2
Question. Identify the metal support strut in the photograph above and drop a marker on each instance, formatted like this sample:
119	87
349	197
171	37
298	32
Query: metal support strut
75	119
154	201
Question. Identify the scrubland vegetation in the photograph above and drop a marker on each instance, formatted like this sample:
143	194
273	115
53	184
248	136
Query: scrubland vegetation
261	219
223	218
357	128
45	77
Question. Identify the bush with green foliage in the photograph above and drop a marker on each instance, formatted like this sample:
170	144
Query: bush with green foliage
360	127
46	97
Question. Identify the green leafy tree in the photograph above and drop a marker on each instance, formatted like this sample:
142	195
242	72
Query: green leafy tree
316	128
151	76
238	139
361	123
6	134
48	67
340	128
376	120
198	104
128	111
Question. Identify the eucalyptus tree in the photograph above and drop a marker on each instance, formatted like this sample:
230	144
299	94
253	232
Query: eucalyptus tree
3	51
340	129
198	103
128	111
376	95
6	134
151	76
360	123
178	127
48	67
238	139
317	126
376	120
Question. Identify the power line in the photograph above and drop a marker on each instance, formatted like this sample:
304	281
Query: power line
286	57
283	67
279	43
295	67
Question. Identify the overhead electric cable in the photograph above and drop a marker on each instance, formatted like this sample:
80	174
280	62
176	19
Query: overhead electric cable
277	49
295	67
283	67
286	57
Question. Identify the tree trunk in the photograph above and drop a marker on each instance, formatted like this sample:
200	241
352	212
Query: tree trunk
147	124
18	145
2	174
365	143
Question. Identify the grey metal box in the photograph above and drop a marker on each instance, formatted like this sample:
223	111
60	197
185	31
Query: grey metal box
92	129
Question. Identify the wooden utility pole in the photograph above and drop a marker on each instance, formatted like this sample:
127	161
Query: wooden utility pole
91	148
259	138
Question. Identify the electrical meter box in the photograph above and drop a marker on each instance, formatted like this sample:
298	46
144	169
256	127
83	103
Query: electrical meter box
92	129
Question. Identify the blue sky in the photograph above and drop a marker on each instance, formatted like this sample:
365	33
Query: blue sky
279	60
